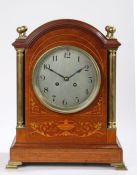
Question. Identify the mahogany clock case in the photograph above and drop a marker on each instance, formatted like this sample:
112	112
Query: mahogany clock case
43	135
43	116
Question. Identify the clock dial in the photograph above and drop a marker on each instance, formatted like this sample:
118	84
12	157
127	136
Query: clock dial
66	79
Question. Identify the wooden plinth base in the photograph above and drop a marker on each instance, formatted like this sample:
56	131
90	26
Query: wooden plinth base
30	153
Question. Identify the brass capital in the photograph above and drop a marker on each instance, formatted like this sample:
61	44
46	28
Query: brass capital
112	52
111	125
20	51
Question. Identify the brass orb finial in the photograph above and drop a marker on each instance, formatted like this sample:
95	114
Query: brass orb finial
22	32
110	32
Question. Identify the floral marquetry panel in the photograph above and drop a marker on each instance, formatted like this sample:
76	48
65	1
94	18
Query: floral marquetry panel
66	128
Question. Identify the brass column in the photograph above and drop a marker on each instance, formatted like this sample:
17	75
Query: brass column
112	79
112	89
20	88
20	79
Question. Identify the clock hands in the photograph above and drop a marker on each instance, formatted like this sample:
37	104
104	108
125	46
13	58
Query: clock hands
67	78
78	71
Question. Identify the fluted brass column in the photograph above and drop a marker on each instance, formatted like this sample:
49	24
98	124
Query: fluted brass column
112	89
112	79
20	88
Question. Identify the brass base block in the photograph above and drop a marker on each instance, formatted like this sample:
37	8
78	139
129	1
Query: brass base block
119	166
13	165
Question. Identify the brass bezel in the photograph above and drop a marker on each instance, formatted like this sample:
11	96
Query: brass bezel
81	106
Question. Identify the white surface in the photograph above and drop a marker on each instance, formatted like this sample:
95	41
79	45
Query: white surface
97	13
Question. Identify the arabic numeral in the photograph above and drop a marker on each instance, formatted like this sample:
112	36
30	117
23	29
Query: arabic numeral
87	91
42	77
76	99
46	89
67	53
87	68
64	102
46	66
55	58
53	97
78	58
90	79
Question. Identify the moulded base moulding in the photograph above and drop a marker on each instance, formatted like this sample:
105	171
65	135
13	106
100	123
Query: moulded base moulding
34	153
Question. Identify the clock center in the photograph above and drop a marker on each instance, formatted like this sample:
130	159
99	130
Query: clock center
66	78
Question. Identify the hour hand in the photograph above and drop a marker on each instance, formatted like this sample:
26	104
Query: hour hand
56	73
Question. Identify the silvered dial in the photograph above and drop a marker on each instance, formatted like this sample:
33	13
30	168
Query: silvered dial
66	79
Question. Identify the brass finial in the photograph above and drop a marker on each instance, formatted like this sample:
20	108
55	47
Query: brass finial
110	32
22	32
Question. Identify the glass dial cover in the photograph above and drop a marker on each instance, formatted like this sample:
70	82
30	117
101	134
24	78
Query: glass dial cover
66	79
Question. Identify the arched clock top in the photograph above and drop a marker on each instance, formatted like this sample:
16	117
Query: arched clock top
107	41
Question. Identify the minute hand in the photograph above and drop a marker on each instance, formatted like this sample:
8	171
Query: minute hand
78	71
56	72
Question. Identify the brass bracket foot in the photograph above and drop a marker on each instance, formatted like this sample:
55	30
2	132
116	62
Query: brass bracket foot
119	166
12	164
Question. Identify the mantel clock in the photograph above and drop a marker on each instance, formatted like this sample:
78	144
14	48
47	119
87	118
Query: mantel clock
66	95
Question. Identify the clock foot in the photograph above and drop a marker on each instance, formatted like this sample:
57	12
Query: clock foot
13	164
119	166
